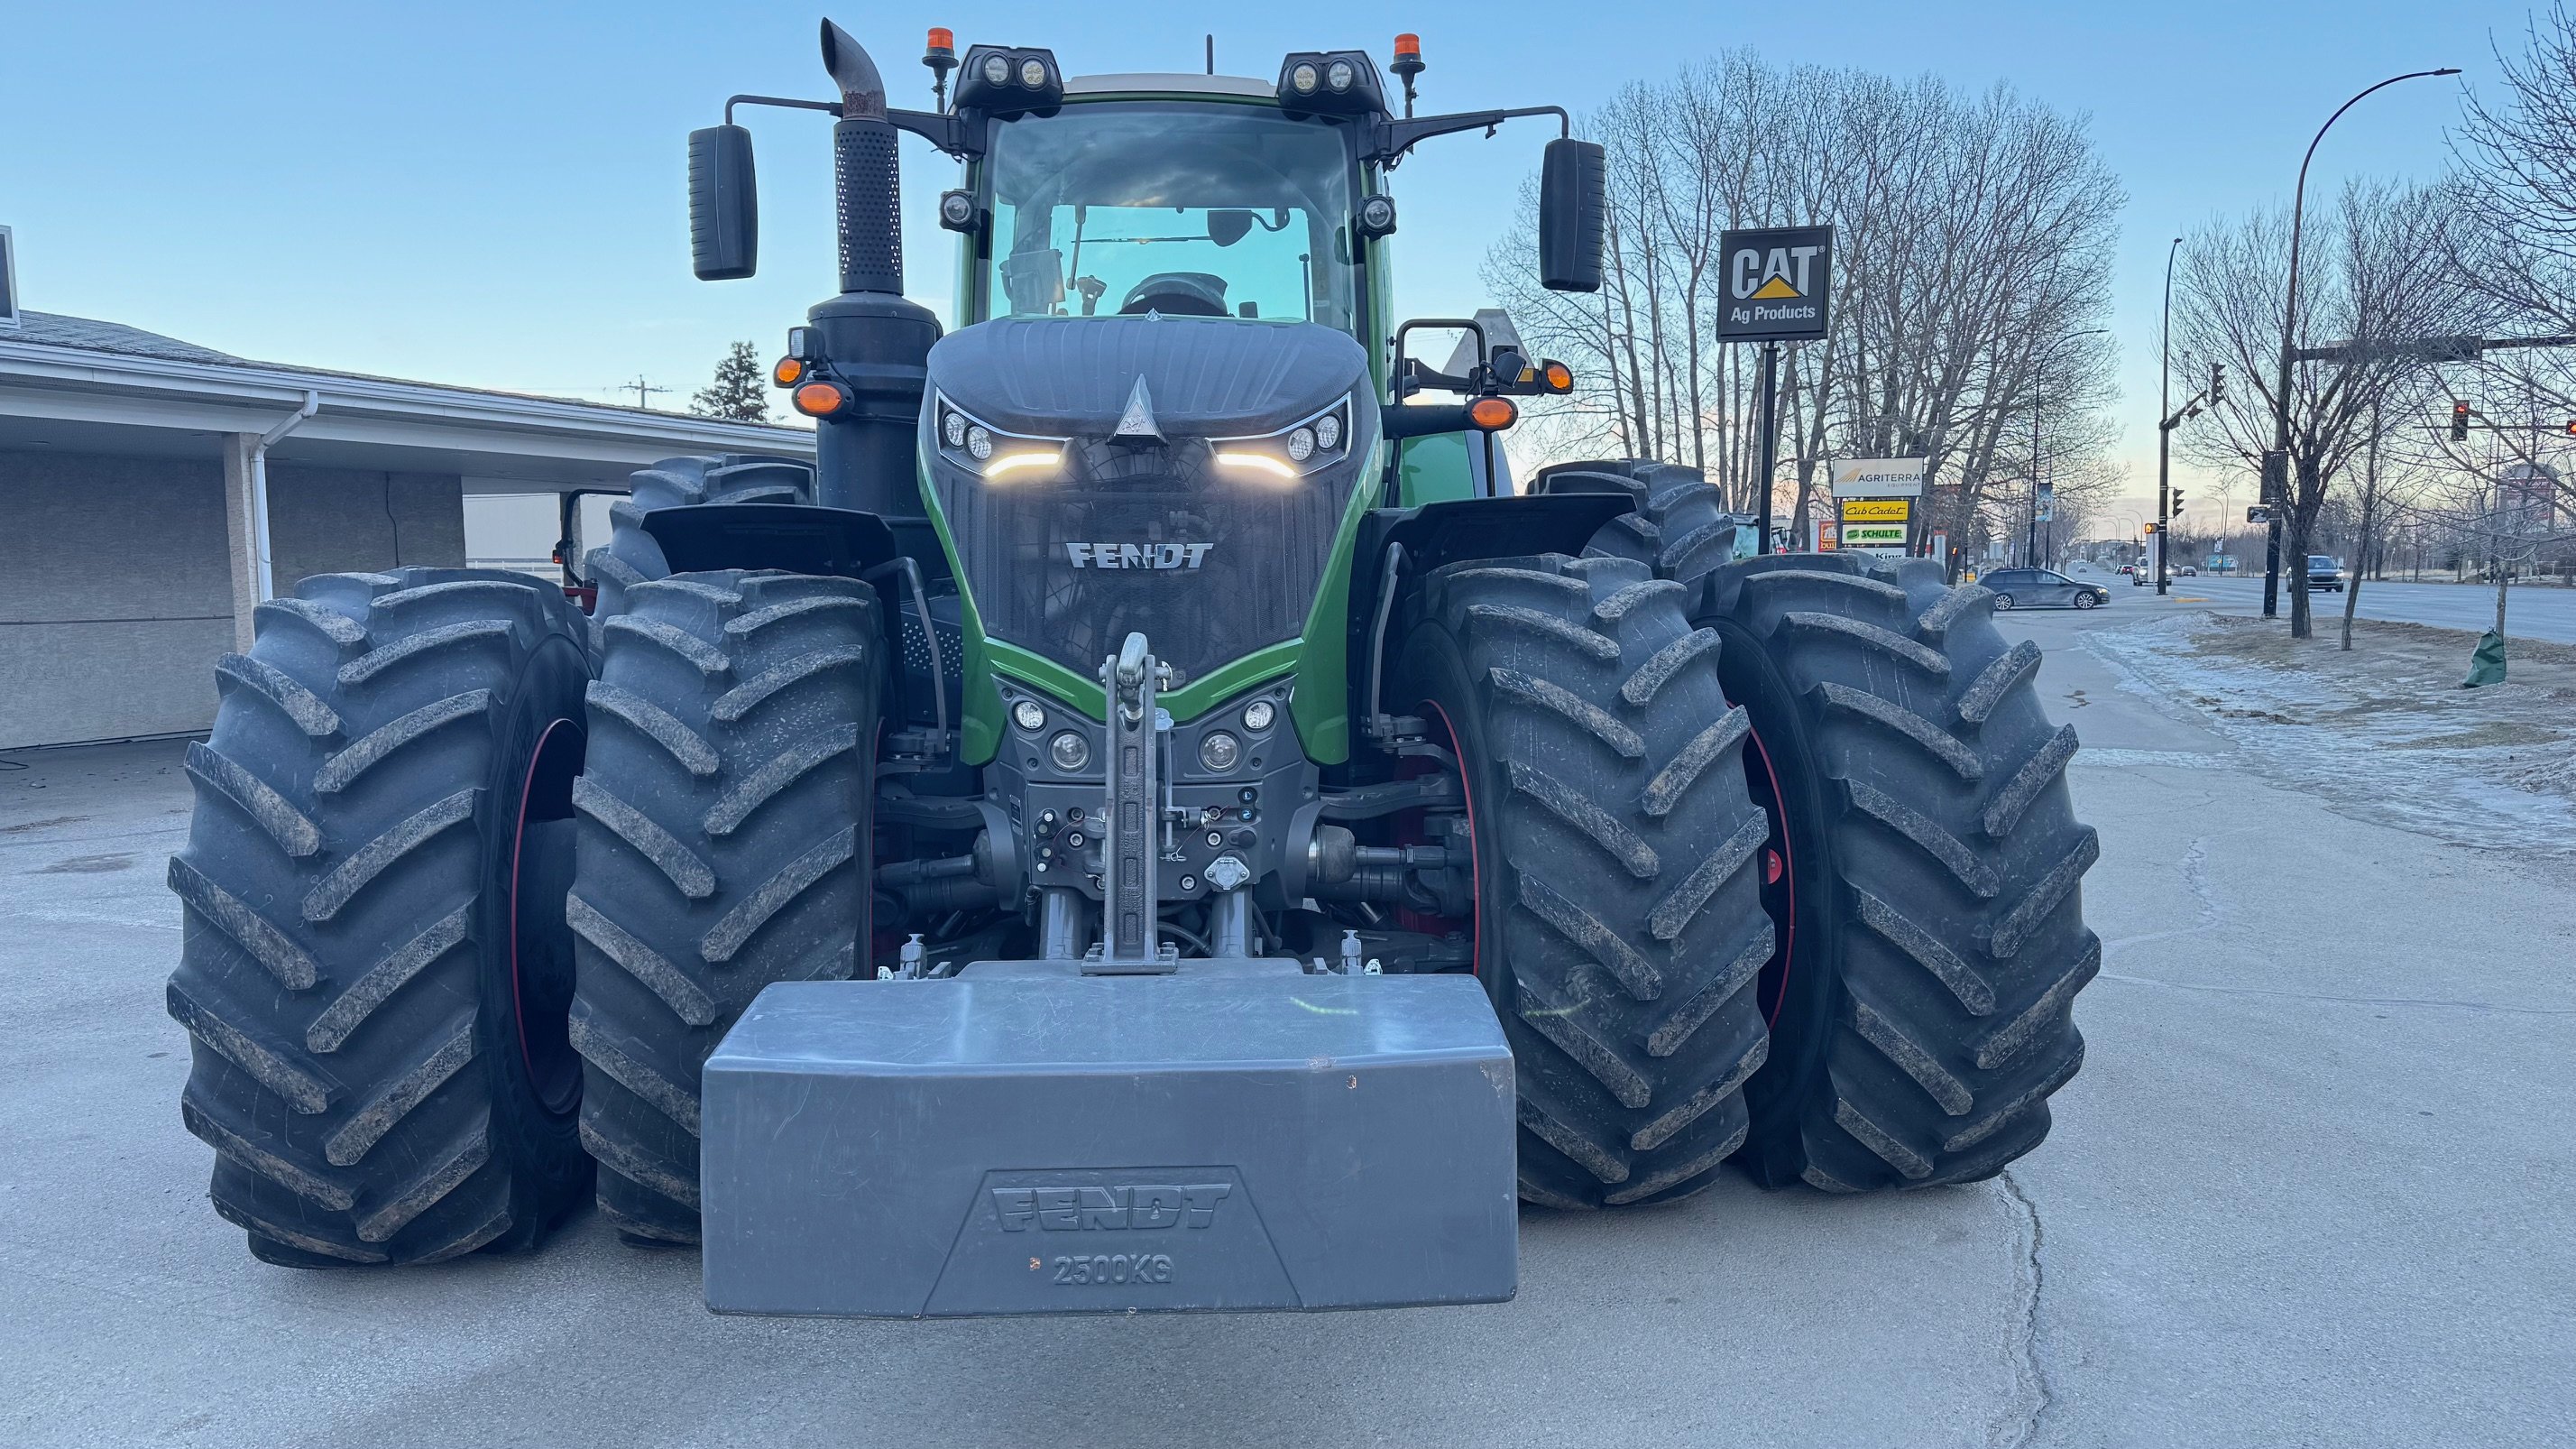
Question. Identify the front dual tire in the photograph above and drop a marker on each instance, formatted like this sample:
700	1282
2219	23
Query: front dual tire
1617	925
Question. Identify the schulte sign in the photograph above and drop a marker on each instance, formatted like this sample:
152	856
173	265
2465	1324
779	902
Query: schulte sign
1776	283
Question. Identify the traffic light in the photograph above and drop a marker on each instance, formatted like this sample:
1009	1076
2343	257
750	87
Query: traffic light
2217	383
2177	500
2151	528
2276	475
2459	422
2571	427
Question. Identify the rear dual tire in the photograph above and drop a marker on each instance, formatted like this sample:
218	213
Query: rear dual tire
1932	929
1931	938
374	966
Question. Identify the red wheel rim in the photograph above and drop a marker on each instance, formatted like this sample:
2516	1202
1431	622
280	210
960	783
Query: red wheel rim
556	1078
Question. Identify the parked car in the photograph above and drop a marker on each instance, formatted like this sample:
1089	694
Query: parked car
2324	574
2042	589
2186	572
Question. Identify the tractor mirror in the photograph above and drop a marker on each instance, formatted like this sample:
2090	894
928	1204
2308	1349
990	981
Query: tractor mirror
724	205
1225	228
1570	206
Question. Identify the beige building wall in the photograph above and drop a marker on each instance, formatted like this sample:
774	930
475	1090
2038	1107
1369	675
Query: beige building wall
115	595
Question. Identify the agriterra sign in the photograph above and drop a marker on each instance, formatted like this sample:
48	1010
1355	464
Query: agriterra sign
1775	284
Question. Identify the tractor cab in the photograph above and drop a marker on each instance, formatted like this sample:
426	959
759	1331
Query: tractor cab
1202	199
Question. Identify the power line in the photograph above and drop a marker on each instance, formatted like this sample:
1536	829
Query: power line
641	388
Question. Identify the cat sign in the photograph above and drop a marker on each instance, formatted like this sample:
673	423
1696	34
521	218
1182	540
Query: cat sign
1774	284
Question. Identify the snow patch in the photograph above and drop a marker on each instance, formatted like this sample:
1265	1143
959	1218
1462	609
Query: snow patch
2403	752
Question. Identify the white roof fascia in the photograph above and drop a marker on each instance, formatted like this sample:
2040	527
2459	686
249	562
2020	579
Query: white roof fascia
155	392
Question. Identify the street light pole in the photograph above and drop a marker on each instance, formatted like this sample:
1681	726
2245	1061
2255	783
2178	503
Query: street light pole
2164	430
2289	331
2038	376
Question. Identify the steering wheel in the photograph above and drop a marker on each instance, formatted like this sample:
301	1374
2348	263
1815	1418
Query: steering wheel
1177	294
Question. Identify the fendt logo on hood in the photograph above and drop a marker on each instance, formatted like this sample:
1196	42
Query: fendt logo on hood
1124	1205
1182	556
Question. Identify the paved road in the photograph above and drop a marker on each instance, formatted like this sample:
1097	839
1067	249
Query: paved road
2314	1186
2541	611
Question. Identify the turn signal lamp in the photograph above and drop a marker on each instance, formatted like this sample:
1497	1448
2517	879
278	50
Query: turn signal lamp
820	399
1560	378
1493	414
788	370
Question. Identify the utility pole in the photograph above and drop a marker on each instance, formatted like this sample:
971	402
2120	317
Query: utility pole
2038	379
1770	437
641	388
2289	334
2164	431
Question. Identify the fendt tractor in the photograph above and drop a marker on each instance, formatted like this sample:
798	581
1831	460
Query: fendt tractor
1153	817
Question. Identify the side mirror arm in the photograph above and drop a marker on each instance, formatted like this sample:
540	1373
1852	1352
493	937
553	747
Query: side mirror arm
1388	140
954	133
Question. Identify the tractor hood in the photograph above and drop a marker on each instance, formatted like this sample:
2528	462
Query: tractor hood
1185	477
1206	376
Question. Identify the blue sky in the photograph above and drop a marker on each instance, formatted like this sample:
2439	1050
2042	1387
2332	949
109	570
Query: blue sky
491	194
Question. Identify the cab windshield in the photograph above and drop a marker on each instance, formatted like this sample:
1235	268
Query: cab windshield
1205	210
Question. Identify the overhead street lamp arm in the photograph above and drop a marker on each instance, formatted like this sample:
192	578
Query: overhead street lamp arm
2298	223
2290	319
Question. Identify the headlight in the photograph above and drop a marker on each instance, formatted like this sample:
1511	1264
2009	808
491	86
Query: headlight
978	447
1220	751
1301	447
1070	751
1258	715
1028	716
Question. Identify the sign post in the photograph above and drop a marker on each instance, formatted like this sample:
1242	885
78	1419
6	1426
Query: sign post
1778	280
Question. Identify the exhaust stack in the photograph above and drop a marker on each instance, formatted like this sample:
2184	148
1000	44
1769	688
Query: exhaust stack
875	341
865	170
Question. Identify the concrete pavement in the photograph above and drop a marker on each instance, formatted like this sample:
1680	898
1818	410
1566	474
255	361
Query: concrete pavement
2314	1185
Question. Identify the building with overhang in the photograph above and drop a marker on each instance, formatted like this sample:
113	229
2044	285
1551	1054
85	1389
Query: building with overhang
152	492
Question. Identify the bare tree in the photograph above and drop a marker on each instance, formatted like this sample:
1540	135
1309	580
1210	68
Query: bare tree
2378	279
1973	247
2512	498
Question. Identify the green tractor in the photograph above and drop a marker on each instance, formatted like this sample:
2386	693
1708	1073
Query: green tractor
1154	818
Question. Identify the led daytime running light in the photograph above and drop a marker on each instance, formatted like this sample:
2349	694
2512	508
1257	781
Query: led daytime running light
1022	461
1256	462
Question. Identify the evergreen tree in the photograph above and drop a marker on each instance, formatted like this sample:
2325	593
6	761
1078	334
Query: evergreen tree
740	391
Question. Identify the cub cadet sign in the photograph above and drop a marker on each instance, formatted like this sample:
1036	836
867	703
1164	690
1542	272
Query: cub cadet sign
1777	280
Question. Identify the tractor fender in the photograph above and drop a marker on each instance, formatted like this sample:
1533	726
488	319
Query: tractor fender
1460	529
796	538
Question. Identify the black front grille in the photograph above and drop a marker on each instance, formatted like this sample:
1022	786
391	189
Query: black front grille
1209	565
